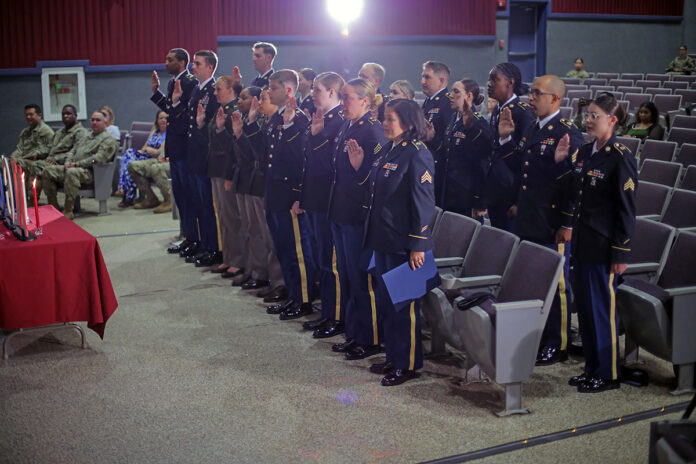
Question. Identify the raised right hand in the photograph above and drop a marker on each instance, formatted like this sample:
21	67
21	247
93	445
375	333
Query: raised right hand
220	117
356	154
237	124
176	94
254	110
317	122
562	149
155	81
506	126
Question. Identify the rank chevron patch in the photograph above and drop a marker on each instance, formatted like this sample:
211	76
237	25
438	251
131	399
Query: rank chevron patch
629	185
426	177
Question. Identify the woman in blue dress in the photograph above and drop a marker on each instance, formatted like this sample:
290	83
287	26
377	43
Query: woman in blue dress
153	148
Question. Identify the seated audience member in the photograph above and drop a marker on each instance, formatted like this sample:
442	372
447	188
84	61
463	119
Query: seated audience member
579	120
401	89
304	88
578	72
34	142
647	123
158	171
110	127
97	148
683	64
153	148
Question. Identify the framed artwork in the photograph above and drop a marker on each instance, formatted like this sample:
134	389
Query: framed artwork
62	86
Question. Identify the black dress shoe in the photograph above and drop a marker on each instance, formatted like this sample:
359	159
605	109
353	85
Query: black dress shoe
578	379
361	352
279	294
211	259
398	377
193	258
343	347
316	323
190	250
331	329
219	270
382	368
240	280
177	248
596	385
280	307
295	311
230	274
266	291
576	349
253	284
551	355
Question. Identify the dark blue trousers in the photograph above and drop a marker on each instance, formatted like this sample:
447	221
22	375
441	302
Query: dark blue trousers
499	219
290	236
333	299
183	196
203	207
595	299
402	328
557	330
362	320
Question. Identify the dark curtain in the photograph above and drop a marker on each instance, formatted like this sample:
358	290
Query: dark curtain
620	7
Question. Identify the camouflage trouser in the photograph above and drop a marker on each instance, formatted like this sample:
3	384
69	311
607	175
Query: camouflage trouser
143	170
71	178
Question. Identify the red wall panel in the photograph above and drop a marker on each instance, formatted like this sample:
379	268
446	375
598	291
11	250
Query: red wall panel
620	7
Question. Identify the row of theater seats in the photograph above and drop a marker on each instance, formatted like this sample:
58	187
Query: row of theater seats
501	339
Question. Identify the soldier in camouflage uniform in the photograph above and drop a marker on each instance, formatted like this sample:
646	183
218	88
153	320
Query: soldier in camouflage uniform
158	170
683	64
34	143
99	147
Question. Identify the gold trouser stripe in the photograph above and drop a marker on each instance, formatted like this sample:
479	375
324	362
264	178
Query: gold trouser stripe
300	257
412	351
217	225
334	268
612	321
373	305
564	302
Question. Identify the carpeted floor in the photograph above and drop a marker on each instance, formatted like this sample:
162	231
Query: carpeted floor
194	370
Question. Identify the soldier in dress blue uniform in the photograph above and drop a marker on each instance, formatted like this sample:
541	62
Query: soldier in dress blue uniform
200	110
286	139
502	180
348	208
546	200
467	152
606	179
374	73
175	144
438	112
314	202
304	89
263	54
397	229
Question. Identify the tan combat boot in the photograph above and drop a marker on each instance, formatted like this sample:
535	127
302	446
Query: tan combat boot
68	209
150	201
53	201
166	205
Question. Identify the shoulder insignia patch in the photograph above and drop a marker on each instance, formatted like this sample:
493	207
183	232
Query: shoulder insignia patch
622	148
523	105
629	185
426	177
566	122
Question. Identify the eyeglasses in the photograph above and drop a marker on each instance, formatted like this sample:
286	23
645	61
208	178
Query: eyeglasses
594	116
536	93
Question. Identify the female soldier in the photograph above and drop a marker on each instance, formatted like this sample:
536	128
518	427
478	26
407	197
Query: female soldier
401	89
403	203
314	201
606	174
348	208
468	150
502	181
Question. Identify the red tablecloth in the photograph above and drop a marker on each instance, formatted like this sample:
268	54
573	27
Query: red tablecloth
60	277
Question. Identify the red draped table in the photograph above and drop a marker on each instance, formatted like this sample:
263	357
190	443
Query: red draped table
58	278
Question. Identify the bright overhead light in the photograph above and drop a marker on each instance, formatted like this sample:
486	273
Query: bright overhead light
344	11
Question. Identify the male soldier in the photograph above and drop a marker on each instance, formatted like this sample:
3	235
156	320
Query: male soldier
263	55
64	140
546	200
438	112
34	143
159	170
204	104
176	140
375	73
683	64
99	147
286	144
304	89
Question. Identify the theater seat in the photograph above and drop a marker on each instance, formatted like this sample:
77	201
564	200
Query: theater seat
501	339
660	172
632	143
451	239
651	243
681	210
689	180
658	150
687	154
660	318
651	200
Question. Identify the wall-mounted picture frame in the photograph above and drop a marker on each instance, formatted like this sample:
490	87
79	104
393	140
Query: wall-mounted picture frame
62	86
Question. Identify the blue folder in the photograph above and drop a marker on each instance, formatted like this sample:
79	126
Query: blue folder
405	284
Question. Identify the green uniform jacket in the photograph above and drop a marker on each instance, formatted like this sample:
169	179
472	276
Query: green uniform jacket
34	140
94	149
582	74
65	140
681	65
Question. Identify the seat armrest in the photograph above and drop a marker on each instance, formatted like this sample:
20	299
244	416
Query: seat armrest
652	217
454	283
516	305
679	291
686	229
449	262
640	268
